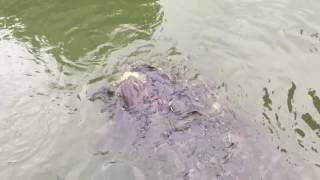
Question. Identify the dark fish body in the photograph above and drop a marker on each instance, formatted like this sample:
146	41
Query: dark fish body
170	129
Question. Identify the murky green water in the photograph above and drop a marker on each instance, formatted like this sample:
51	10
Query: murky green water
53	54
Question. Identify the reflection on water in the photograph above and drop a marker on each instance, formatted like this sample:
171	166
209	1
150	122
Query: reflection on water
304	124
54	53
267	54
315	99
310	121
267	102
290	96
48	52
80	34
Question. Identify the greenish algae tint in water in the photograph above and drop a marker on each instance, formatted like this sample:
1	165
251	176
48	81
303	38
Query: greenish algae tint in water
48	52
290	96
80	33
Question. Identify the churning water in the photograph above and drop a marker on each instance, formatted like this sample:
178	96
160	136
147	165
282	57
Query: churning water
53	54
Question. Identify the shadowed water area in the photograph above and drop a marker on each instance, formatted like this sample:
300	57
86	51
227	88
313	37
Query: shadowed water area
261	58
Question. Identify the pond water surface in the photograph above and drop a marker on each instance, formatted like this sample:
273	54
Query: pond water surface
53	54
